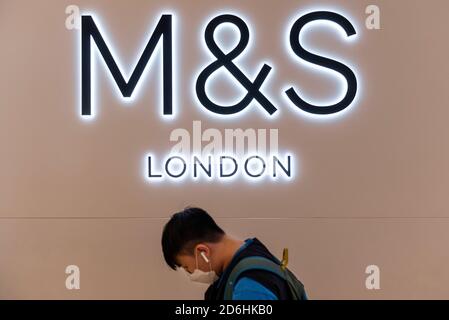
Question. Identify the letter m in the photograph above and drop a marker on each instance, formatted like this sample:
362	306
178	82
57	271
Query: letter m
90	31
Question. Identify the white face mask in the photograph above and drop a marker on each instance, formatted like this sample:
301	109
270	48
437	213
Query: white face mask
202	276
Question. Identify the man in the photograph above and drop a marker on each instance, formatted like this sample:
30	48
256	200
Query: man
235	269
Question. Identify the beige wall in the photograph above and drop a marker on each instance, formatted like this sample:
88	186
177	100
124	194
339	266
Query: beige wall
371	188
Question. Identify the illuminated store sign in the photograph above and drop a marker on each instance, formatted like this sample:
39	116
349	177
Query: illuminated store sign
177	166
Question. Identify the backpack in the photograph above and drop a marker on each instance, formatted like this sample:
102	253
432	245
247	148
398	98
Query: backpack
260	263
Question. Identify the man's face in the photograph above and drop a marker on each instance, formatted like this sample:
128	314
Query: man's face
187	262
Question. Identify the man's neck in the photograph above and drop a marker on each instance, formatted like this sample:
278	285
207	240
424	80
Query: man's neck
229	246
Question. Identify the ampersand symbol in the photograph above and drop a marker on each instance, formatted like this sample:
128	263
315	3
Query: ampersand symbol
225	60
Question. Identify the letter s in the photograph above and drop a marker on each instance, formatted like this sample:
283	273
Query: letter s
322	61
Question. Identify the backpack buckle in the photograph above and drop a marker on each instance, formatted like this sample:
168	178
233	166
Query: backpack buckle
284	261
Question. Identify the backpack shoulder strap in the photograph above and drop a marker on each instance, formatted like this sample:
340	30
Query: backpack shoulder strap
250	263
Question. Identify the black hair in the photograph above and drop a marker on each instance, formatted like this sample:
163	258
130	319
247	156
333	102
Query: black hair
185	230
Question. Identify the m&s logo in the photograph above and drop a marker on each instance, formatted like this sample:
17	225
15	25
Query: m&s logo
163	35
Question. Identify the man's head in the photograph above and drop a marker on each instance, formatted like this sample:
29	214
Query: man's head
189	239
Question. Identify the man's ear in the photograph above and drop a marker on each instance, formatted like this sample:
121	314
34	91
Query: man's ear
203	248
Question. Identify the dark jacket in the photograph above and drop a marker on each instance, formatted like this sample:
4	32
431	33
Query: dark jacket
251	247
